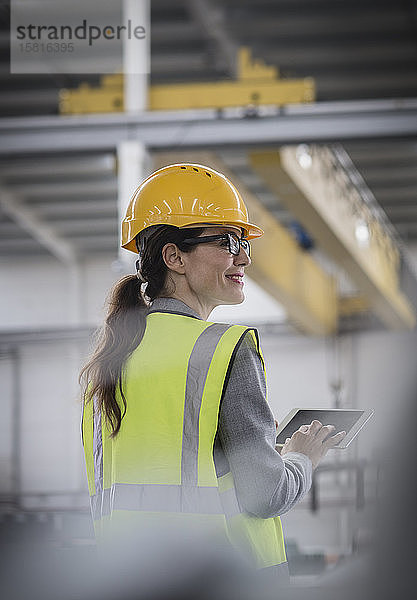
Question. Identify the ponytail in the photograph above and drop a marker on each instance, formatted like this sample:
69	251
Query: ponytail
120	334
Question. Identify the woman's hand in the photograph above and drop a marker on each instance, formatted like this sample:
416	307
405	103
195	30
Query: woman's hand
313	441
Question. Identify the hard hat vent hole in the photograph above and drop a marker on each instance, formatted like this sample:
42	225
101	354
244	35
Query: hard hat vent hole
183	167
208	174
194	169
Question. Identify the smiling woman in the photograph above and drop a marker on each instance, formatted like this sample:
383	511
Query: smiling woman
177	431
211	274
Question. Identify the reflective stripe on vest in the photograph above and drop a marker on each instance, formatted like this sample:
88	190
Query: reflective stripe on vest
162	459
198	366
156	497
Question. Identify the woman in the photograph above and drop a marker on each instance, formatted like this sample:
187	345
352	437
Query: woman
176	426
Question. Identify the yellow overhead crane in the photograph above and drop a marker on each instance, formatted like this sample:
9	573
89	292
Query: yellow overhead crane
322	198
256	84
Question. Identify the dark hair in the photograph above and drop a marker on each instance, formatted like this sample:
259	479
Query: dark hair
125	323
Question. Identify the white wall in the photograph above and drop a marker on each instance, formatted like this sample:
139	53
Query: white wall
39	293
49	426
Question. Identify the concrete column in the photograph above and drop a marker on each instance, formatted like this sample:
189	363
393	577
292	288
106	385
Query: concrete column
133	167
136	56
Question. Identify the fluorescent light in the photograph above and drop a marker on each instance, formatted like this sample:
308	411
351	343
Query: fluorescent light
303	156
362	233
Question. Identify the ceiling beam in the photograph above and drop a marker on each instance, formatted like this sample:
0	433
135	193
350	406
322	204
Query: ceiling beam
69	208
321	24
104	164
42	232
173	31
177	62
322	121
371	154
368	51
405	214
64	189
395	195
380	176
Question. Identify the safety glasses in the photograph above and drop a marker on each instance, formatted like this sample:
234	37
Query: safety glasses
234	242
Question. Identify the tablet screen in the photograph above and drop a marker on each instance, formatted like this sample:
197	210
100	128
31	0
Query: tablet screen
343	420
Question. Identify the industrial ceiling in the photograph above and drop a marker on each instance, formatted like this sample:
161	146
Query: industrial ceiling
362	54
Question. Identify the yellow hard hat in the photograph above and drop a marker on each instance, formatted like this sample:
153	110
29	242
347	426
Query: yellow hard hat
185	194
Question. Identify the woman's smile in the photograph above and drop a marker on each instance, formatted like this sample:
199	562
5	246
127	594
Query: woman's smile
236	278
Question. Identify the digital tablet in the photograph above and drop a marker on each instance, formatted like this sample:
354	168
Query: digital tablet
349	420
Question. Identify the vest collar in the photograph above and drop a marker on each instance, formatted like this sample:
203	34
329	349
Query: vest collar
173	305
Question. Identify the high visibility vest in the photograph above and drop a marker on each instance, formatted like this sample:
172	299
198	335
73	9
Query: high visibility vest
160	465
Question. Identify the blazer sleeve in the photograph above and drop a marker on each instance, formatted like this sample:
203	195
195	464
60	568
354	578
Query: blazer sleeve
266	484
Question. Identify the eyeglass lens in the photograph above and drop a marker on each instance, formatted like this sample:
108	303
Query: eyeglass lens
236	243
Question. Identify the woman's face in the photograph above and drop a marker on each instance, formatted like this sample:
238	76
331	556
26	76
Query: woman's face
215	276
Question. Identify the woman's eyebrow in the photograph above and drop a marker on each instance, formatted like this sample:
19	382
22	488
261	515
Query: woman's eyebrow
228	230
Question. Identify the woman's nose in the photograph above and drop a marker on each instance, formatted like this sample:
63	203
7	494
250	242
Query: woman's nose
242	258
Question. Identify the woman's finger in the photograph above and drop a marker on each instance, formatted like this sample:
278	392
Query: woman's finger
315	426
325	431
335	439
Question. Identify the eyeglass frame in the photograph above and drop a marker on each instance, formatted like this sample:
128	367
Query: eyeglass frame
223	236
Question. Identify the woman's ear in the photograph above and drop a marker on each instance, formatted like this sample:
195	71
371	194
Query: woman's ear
173	258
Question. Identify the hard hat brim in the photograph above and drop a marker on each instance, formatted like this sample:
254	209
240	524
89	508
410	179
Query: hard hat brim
251	231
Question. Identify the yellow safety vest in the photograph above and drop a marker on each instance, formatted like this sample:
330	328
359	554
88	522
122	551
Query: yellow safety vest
161	462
